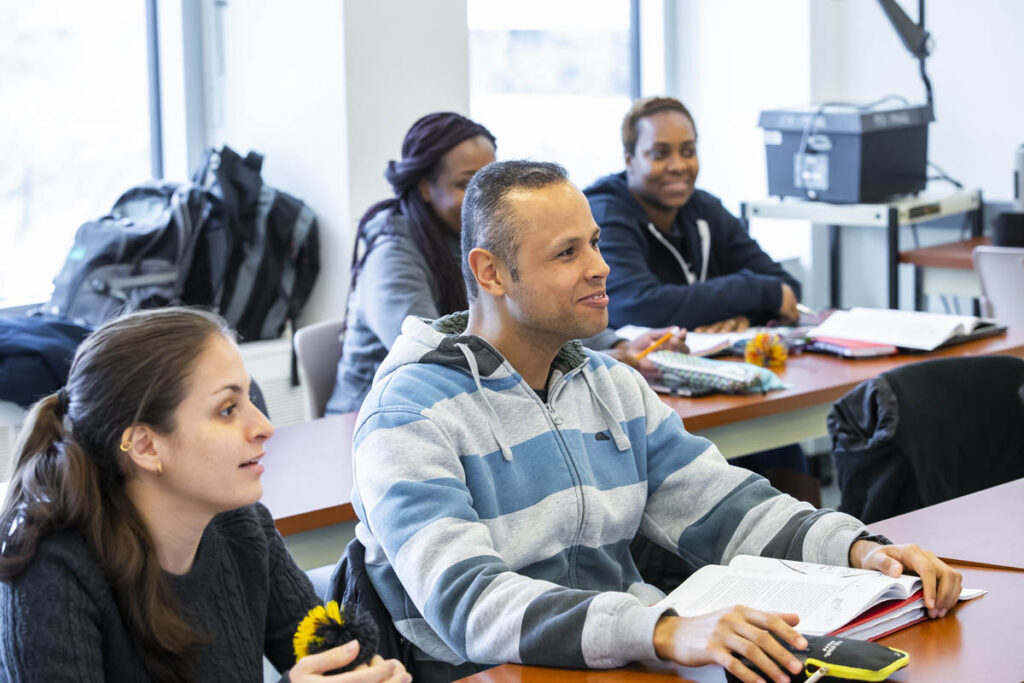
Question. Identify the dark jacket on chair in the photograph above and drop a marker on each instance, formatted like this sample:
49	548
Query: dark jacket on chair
928	432
350	585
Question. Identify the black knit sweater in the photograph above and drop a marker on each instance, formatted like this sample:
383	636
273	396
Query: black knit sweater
244	593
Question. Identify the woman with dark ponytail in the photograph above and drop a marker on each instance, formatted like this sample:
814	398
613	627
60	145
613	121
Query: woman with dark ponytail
406	255
132	547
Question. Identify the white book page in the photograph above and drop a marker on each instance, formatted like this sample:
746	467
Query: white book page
905	585
824	602
910	329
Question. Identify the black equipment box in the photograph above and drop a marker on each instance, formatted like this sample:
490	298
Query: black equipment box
844	154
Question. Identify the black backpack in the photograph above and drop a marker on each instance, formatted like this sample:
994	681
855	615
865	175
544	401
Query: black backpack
276	255
140	255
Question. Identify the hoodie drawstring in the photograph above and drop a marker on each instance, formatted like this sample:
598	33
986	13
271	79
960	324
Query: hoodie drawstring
492	417
618	434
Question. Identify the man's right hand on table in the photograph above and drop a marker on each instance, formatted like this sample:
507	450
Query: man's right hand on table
717	638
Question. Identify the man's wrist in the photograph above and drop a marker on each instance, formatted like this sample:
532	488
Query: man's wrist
664	631
872	541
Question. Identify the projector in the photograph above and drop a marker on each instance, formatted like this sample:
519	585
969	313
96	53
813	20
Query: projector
846	153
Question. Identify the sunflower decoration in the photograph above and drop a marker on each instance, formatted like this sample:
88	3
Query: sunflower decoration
328	626
766	349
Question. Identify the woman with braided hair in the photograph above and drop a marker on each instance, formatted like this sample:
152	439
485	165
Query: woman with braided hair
406	255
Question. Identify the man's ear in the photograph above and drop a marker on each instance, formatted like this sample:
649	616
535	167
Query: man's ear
627	158
139	444
485	269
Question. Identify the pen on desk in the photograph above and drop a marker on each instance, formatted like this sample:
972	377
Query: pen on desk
661	340
817	675
806	310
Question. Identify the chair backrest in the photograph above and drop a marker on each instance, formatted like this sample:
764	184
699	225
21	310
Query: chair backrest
1001	271
318	349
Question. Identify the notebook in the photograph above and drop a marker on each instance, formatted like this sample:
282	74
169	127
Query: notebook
905	329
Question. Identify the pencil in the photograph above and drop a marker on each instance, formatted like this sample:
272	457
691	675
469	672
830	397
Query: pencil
661	340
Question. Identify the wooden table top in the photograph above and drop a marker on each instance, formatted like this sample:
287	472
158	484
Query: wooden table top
949	255
819	378
978	640
952	530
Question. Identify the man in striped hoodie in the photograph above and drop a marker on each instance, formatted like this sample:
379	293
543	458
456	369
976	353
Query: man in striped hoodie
501	471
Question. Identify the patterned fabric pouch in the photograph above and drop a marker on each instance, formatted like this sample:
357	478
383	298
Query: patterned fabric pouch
699	375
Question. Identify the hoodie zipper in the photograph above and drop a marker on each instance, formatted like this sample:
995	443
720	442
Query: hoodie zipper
555	420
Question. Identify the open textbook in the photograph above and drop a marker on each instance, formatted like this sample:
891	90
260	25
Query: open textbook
855	603
905	329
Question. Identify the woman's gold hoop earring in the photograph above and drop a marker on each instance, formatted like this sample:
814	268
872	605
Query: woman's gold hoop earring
159	468
125	446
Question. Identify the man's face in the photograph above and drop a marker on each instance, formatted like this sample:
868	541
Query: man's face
663	168
560	292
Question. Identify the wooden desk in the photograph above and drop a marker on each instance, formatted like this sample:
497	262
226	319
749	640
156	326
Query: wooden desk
985	528
739	425
307	483
978	641
945	269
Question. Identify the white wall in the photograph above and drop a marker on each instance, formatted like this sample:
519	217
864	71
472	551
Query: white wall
326	90
975	74
979	107
405	58
729	60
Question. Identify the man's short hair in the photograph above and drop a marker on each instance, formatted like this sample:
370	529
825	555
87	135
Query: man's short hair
488	222
645	107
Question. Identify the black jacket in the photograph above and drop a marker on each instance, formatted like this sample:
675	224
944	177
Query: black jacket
928	432
35	356
647	284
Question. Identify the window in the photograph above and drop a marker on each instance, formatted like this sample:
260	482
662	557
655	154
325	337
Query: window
552	80
74	129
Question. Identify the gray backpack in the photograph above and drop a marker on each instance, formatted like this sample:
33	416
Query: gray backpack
138	256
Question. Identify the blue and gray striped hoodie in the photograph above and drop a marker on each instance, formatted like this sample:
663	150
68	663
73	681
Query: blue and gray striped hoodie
497	526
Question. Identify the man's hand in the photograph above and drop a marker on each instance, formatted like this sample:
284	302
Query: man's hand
718	637
788	312
626	351
941	583
737	324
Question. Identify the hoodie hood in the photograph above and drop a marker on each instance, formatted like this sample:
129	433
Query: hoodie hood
444	342
441	342
613	188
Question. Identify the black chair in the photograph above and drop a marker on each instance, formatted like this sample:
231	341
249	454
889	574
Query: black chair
928	432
